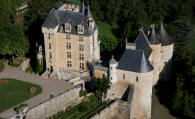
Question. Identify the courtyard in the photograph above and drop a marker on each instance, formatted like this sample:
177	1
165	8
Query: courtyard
49	87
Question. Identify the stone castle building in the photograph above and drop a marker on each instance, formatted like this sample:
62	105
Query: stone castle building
140	66
71	44
70	39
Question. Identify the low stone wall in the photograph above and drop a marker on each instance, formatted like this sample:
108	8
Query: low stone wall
115	110
25	64
55	105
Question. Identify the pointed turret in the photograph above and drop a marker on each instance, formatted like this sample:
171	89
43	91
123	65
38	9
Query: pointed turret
164	37
153	37
145	65
89	12
83	9
113	61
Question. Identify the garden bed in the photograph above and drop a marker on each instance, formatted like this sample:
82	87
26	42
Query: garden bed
84	110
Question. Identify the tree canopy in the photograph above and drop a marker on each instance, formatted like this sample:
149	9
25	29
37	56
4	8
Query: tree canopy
13	41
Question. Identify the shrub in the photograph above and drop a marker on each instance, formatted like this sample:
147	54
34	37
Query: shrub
29	69
82	108
2	66
83	93
39	68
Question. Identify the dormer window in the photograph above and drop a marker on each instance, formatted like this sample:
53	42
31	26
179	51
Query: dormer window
80	29
67	27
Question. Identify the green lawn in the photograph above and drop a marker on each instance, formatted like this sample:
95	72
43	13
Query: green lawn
14	92
84	110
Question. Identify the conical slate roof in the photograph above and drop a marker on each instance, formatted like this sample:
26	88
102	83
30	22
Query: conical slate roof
83	9
88	12
135	61
142	43
164	36
153	36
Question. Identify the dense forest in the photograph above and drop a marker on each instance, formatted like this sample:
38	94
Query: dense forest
117	19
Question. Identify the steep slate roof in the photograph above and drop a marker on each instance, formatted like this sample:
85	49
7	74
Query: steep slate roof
153	36
164	36
58	17
142	43
135	61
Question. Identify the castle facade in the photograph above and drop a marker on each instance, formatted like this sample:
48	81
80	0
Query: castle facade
70	38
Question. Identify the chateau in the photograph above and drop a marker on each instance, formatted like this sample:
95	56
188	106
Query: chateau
70	39
71	44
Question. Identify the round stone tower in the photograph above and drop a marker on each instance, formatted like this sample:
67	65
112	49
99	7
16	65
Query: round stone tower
112	70
166	50
155	44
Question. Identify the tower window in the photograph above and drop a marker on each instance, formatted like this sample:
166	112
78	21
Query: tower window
49	45
49	36
67	27
50	55
67	36
81	38
81	47
68	54
137	79
68	45
69	64
124	76
81	56
80	29
81	66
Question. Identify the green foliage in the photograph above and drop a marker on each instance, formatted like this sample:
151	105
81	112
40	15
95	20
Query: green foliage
108	40
21	93
83	93
20	108
29	69
183	100
84	110
2	66
39	68
101	85
13	41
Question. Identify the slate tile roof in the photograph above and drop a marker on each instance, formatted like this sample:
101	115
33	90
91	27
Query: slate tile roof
165	38
153	37
142	43
135	61
58	17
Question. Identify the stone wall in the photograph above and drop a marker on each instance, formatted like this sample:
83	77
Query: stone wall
25	64
116	110
55	105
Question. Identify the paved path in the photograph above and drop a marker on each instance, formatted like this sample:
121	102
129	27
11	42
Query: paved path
49	86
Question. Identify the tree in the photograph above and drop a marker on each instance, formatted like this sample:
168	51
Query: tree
101	85
12	40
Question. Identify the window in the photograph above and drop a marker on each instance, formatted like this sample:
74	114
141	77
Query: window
67	36
81	38
51	68
49	45
81	66
49	36
68	54
81	56
67	27
80	28
137	79
124	76
68	45
50	55
69	64
81	47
